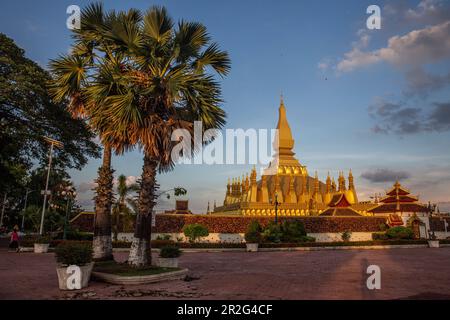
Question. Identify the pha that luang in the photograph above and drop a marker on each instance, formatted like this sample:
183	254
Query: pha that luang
287	182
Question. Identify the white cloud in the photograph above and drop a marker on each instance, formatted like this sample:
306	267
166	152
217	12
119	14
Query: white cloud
418	47
429	11
86	186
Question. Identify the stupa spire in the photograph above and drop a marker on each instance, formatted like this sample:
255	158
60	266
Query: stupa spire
285	140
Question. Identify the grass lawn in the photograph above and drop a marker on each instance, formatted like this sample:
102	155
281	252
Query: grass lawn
123	269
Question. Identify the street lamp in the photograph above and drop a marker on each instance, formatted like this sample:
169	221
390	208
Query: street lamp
52	143
25	207
68	193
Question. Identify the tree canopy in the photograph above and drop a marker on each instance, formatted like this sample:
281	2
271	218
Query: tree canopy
27	114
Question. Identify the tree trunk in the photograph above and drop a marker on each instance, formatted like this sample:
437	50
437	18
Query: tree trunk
140	252
102	244
116	224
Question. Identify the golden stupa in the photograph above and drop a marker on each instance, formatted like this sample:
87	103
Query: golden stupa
286	181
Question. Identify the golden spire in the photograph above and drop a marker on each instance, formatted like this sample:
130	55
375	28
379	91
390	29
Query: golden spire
285	140
284	161
351	185
328	183
316	183
253	176
341	182
333	185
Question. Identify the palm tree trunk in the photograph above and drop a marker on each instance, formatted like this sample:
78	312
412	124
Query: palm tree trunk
116	224
102	244
140	252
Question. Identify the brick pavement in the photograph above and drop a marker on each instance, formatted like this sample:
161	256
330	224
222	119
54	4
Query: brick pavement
420	272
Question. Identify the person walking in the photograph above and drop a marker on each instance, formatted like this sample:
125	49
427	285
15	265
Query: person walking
14	243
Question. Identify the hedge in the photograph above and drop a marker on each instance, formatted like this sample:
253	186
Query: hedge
170	223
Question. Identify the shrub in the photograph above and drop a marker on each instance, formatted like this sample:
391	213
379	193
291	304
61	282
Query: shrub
292	231
77	235
379	236
253	233
307	239
170	252
165	237
383	227
272	232
43	240
195	231
162	243
400	233
346	235
73	253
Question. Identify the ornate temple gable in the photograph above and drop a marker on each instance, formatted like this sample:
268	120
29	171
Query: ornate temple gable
397	189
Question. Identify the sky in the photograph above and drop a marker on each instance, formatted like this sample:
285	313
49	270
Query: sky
374	101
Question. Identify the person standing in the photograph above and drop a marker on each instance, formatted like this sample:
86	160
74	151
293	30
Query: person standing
14	243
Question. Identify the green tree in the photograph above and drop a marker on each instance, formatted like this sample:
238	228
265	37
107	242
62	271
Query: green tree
124	204
76	80
27	114
195	231
159	81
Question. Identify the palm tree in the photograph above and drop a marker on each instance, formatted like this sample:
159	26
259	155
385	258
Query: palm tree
73	75
164	85
124	203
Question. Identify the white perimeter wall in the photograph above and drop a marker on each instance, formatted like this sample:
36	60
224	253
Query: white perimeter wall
239	237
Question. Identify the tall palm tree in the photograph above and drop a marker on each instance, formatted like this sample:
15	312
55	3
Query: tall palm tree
73	75
164	85
124	203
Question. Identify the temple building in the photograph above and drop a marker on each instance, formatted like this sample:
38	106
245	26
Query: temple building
401	208
287	182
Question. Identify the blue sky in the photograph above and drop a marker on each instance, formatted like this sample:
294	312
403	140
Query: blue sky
375	101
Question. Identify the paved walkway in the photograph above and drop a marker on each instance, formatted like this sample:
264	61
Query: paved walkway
421	273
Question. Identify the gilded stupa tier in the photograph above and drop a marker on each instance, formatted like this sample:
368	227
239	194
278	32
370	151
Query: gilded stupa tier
285	180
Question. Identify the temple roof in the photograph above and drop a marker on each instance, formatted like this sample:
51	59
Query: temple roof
340	212
340	206
398	199
403	207
339	200
397	189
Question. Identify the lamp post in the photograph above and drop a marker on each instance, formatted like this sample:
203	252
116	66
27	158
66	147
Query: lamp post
3	209
68	193
52	143
27	192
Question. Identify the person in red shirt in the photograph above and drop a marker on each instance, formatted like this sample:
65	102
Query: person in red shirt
14	244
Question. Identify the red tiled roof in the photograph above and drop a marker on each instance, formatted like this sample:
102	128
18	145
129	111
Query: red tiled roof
404	207
394	220
401	198
340	212
339	200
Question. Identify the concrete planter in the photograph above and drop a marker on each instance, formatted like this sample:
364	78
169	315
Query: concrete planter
41	247
252	247
136	280
167	262
433	243
86	271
